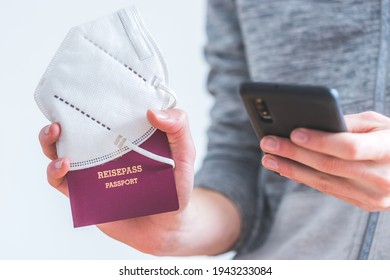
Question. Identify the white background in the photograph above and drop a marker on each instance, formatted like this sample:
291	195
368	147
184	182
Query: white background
35	220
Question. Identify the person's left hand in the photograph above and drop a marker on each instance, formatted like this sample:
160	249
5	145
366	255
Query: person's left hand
353	166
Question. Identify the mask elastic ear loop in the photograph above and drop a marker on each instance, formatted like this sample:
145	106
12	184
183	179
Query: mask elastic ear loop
151	155
171	93
121	140
156	82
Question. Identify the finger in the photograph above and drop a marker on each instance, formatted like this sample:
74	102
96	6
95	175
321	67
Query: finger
56	171
349	146
370	172
48	137
175	123
325	183
283	147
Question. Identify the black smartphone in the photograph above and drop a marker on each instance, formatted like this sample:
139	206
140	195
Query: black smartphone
277	109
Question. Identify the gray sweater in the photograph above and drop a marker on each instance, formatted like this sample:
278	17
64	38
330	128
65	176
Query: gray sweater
342	44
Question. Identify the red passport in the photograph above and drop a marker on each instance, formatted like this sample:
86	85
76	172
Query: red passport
127	187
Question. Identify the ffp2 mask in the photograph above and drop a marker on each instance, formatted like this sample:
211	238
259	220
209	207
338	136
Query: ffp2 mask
105	76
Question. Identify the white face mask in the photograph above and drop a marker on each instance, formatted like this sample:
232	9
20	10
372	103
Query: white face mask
105	76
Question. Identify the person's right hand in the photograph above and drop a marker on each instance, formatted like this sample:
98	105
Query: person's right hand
173	233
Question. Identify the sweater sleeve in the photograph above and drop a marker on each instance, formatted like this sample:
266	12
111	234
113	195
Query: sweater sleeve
231	165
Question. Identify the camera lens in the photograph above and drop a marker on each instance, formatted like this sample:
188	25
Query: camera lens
258	101
265	114
259	104
262	110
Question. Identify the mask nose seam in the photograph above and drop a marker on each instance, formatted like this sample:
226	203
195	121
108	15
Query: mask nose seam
81	111
115	58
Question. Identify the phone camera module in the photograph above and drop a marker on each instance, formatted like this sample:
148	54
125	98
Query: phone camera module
262	110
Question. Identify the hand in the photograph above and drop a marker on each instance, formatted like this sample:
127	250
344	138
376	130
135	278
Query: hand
206	223
149	234
353	166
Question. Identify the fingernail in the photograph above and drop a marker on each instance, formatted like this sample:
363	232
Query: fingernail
47	130
270	163
58	164
161	115
299	136
270	144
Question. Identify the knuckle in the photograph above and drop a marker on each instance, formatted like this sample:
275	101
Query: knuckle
373	116
330	165
285	148
323	184
181	115
50	174
381	203
180	123
380	179
180	135
376	118
367	114
353	150
52	181
377	202
286	170
43	139
50	153
383	183
289	149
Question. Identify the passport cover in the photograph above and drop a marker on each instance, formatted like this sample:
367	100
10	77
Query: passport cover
127	187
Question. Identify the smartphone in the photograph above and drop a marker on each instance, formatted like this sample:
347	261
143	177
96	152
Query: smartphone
277	109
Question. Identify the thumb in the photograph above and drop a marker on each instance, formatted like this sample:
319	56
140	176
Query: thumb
174	123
